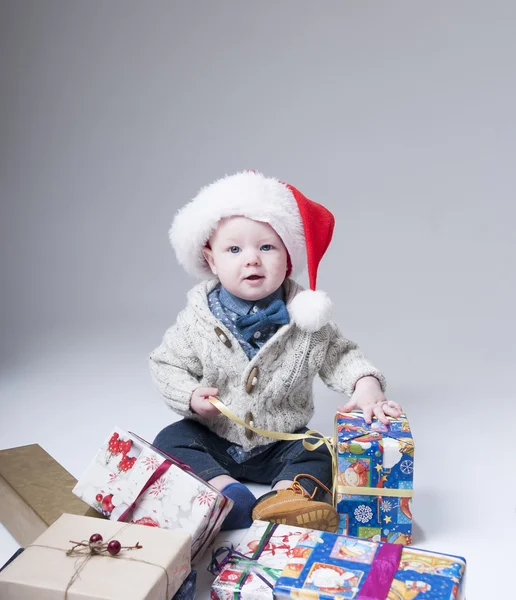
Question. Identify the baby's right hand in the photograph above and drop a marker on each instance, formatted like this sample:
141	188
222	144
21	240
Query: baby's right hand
200	404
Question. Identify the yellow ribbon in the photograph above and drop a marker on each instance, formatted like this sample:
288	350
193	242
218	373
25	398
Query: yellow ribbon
369	491
310	434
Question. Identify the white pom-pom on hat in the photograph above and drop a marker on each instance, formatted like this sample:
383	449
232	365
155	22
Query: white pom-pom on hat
310	310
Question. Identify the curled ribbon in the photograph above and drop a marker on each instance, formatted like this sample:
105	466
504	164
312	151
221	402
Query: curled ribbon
310	434
229	554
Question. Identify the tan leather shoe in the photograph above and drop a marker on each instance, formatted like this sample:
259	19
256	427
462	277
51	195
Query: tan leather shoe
294	506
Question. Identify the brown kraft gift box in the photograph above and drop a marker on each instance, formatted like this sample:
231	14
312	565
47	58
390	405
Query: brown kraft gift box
35	490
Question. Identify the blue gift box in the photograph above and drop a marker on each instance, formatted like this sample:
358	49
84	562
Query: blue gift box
373	483
345	567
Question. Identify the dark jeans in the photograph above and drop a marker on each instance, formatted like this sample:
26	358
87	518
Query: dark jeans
206	454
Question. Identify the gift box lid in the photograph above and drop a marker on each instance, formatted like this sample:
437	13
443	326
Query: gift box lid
41	482
164	557
352	426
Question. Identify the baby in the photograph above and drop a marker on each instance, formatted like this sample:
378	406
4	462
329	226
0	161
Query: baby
251	336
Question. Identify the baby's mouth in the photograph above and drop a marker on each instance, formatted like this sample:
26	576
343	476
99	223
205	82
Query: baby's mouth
254	277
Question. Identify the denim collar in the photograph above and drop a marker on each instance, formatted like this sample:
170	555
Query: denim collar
243	307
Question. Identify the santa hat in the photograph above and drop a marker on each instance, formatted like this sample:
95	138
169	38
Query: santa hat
305	227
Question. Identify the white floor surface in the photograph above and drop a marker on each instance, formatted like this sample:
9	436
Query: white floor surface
64	391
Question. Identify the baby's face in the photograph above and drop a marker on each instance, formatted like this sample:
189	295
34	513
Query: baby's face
248	257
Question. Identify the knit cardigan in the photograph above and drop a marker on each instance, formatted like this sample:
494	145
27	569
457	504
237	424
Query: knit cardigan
273	389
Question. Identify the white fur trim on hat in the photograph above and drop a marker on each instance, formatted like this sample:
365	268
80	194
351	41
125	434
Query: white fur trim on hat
310	310
246	194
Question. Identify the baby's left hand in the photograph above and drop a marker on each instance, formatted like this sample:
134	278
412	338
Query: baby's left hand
368	396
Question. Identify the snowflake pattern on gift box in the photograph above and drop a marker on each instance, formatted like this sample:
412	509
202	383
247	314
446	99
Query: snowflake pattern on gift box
407	467
206	498
158	488
151	463
386	506
363	513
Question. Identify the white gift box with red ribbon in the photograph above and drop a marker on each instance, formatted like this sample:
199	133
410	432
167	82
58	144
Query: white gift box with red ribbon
132	481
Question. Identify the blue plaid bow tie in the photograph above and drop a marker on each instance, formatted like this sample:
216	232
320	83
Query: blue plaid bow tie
275	314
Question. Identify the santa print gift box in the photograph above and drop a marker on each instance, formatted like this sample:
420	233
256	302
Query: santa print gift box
344	567
130	480
250	572
375	465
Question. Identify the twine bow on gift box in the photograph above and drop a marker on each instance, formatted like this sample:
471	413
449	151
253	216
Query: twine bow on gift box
226	554
95	546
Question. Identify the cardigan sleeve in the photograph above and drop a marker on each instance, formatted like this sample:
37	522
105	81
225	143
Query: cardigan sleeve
344	364
176	369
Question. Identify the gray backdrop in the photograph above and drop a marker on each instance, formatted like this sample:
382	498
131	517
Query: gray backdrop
399	117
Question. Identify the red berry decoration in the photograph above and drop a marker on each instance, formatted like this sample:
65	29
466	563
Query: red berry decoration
114	547
107	504
99	497
96	546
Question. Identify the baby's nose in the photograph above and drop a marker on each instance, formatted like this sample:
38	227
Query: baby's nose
253	258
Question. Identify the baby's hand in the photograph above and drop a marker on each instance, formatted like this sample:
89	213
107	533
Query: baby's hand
200	404
368	396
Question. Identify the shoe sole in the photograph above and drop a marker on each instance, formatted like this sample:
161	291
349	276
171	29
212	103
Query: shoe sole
321	519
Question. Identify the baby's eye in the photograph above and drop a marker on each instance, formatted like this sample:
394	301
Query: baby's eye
234	249
267	247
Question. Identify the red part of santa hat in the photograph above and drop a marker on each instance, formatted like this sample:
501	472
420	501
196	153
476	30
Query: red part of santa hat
318	223
305	227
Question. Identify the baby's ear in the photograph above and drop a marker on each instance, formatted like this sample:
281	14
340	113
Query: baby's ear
208	255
